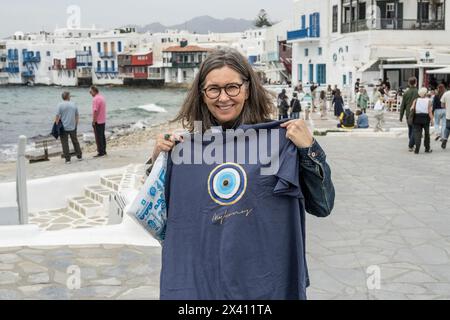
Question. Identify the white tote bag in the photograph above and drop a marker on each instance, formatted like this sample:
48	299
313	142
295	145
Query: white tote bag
149	206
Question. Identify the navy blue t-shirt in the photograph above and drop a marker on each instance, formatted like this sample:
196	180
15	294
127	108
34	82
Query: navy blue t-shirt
233	233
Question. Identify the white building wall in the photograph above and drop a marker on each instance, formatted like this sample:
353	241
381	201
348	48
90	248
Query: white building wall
354	50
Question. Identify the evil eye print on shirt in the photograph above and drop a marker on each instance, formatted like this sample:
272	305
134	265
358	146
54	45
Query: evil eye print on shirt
227	184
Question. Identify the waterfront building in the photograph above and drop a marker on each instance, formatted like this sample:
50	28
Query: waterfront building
105	50
134	67
3	65
181	63
338	41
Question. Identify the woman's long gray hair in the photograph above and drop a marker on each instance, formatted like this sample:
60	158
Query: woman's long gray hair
258	107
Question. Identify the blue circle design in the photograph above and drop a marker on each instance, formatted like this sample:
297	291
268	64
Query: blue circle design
227	183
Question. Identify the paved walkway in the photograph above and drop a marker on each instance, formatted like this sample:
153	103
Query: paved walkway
391	215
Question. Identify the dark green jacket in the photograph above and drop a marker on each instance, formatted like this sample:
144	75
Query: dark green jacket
408	98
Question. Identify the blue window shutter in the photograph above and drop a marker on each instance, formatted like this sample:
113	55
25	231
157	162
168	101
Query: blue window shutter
300	72
303	22
99	65
113	65
318	24
311	25
318	69
311	73
119	45
106	65
99	48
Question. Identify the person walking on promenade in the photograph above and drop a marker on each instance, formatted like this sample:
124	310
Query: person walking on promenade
221	242
363	100
439	113
323	105
408	98
283	109
296	107
68	114
379	113
99	120
445	100
338	103
423	117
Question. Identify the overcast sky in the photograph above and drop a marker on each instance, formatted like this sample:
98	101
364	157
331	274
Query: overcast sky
35	15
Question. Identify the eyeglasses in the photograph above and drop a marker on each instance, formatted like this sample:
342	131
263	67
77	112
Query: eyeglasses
231	89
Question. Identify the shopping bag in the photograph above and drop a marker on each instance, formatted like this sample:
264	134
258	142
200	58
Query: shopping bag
149	206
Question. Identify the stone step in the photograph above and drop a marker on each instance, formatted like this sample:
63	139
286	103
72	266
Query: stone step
112	181
86	206
98	193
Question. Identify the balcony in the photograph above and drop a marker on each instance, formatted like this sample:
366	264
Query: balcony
302	34
29	57
106	70
392	24
185	64
28	74
107	54
12	69
13	57
126	75
84	73
83	53
155	76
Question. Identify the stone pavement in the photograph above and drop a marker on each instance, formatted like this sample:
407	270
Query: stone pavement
391	215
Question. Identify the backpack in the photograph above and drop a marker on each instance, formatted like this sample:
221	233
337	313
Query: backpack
349	119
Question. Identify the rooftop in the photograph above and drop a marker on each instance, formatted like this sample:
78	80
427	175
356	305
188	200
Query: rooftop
186	49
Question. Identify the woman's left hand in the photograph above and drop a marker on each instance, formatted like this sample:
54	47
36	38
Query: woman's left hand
298	133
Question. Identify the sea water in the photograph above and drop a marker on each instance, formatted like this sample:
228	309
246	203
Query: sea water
30	111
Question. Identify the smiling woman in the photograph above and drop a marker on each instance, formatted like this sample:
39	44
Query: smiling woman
229	92
232	231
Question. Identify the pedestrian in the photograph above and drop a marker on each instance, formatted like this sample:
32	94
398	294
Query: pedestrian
313	89
379	113
329	97
68	114
323	105
283	109
296	107
230	234
387	85
357	85
338	103
408	98
445	100
423	117
99	121
439	113
363	100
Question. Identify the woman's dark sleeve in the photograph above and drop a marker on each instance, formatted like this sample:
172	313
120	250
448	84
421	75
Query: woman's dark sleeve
315	181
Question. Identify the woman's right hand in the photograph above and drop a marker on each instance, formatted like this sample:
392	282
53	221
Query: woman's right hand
165	143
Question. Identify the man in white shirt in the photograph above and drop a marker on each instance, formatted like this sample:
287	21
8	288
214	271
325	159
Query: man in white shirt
445	100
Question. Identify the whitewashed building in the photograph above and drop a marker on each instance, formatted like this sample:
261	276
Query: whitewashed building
181	63
277	70
105	48
338	41
3	65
